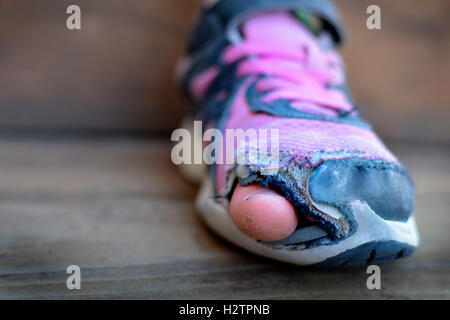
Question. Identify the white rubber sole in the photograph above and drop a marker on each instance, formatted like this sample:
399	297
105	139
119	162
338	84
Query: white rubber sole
371	228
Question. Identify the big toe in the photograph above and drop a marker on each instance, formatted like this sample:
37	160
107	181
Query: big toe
262	213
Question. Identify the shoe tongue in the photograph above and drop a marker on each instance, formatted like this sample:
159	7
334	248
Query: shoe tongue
279	28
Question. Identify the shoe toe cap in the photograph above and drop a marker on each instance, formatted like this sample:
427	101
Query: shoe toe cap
385	186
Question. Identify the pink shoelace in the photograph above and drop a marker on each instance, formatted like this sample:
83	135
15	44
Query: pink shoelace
293	75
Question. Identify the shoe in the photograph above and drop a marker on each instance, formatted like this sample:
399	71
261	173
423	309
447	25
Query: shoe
281	70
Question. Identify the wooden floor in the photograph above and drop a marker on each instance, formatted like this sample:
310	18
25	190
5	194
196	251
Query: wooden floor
121	65
117	208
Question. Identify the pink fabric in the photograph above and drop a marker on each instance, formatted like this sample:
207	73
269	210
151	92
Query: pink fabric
286	50
300	70
313	140
201	82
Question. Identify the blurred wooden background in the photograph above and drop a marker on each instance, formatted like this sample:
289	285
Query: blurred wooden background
116	73
115	205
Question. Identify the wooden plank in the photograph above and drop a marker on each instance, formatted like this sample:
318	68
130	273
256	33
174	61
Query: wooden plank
116	73
399	74
212	279
119	210
85	167
139	257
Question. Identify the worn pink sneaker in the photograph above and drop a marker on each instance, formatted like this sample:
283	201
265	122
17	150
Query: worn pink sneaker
274	70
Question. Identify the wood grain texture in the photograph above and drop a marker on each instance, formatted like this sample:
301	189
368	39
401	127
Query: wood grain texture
400	74
119	210
116	73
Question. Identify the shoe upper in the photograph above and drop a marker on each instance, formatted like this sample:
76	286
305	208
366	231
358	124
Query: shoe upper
273	72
